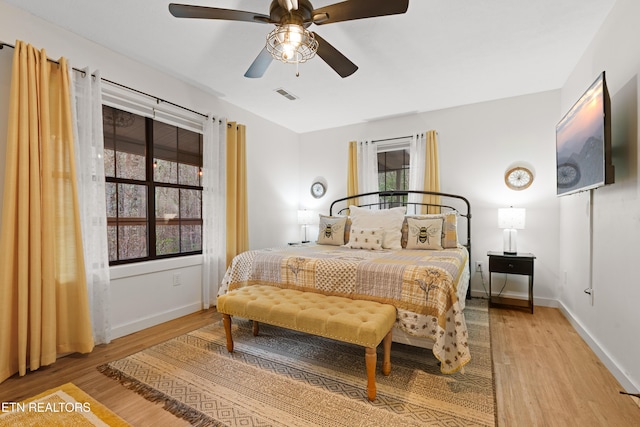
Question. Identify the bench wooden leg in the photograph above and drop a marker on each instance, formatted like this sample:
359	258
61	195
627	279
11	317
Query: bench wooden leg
386	361
256	328
370	359
226	320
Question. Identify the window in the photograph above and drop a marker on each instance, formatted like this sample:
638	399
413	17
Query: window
154	190
393	174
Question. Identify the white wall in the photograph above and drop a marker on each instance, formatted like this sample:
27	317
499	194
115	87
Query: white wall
144	295
477	144
610	324
272	180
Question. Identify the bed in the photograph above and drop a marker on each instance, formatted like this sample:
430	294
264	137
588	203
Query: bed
423	271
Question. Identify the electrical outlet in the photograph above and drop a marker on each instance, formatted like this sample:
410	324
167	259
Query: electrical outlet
479	266
176	279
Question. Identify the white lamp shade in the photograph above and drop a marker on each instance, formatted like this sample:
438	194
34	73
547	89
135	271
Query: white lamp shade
305	217
511	218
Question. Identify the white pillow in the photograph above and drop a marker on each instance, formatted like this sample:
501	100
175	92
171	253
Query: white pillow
366	238
424	233
389	219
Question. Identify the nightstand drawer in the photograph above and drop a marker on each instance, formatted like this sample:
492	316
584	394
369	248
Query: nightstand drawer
521	263
510	265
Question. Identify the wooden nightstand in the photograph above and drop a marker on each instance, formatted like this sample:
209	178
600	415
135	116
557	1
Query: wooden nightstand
522	264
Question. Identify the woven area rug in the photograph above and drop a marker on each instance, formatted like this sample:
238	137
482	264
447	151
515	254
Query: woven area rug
66	405
285	378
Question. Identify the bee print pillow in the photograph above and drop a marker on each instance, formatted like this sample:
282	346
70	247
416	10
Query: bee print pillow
331	230
424	233
366	238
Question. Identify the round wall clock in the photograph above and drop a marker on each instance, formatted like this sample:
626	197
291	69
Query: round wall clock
318	189
518	178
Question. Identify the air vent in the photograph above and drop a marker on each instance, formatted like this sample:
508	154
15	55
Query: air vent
289	96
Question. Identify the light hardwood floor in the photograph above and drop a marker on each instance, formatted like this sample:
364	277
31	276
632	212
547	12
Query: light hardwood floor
545	374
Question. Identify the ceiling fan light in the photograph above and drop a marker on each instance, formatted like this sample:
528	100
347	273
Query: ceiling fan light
291	4
291	43
288	51
294	35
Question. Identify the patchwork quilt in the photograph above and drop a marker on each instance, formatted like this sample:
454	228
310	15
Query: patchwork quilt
421	284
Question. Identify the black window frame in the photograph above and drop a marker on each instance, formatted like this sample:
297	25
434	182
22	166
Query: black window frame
151	185
395	200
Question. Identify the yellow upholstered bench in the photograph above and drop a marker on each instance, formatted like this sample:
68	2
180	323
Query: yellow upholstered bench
365	323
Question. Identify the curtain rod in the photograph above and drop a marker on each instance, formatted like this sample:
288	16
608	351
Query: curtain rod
391	139
3	44
397	137
158	100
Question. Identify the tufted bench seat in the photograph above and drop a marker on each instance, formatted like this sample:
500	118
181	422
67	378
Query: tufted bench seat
365	323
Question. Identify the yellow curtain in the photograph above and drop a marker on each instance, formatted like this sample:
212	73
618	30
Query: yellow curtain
352	173
44	308
237	212
432	174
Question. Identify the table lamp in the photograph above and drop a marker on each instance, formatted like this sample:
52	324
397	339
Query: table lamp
305	218
511	220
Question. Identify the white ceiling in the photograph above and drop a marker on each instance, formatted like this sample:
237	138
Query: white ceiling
441	53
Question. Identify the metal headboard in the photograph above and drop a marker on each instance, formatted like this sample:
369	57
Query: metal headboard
400	198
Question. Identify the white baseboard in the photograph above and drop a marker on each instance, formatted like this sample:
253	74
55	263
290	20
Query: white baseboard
624	381
156	319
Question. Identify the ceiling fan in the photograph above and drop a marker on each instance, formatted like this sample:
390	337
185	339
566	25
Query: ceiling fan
290	41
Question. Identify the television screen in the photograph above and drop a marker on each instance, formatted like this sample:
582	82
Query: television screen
583	142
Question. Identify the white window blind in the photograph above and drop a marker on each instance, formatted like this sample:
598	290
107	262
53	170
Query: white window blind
393	144
144	105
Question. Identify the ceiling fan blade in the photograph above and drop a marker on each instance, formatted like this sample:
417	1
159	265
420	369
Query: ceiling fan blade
336	60
190	11
259	65
358	9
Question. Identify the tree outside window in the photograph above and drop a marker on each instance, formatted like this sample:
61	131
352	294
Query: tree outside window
393	174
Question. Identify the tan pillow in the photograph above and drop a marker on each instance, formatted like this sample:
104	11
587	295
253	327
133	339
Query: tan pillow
331	230
450	231
389	219
366	238
424	233
347	230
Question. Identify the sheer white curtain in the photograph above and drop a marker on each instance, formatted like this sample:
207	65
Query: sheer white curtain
368	171
89	149
424	172
213	208
417	170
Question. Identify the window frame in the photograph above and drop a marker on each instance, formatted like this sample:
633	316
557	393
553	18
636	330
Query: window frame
151	185
386	146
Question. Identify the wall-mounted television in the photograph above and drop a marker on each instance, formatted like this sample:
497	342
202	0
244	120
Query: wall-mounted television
583	142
